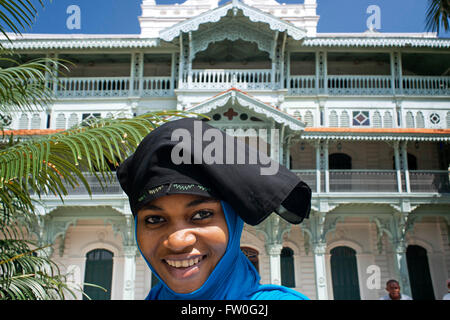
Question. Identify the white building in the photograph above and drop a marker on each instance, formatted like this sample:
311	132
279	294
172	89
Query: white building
364	120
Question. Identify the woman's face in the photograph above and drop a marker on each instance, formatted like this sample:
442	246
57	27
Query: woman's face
183	237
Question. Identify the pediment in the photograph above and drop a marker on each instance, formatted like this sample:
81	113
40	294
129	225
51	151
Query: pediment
257	109
232	10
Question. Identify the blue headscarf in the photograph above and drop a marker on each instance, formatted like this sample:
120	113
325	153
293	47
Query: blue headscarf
233	278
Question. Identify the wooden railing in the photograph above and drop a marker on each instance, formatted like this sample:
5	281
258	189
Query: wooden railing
256	79
383	181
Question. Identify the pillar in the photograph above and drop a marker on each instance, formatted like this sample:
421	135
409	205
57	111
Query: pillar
401	267
404	155
274	228
319	250
129	272
318	171
397	166
274	251
326	167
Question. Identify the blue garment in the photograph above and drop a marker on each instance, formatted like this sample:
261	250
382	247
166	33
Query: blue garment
233	278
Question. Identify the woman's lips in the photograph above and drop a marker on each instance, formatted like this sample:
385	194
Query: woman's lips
182	268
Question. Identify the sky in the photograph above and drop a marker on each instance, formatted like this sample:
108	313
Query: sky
120	16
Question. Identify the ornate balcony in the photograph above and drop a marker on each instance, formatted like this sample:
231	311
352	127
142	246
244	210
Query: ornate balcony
221	79
255	79
346	181
426	86
382	181
369	85
113	87
93	87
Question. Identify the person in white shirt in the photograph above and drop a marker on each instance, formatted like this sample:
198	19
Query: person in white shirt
447	295
393	288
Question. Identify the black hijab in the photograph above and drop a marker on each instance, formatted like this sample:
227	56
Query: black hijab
190	156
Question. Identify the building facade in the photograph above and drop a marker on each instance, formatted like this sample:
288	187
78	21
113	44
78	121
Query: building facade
363	118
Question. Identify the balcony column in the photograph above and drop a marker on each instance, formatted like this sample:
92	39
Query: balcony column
321	73
282	63
133	70
181	66
396	73
397	166
184	61
274	59
404	156
275	144
55	83
287	67
191	58
325	165
173	71
317	146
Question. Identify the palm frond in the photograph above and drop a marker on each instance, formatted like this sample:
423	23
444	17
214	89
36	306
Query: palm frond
17	15
27	86
55	163
438	14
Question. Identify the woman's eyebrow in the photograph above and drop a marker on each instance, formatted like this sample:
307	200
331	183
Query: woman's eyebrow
151	207
196	202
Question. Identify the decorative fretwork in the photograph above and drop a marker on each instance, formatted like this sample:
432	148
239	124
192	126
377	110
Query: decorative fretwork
237	8
231	30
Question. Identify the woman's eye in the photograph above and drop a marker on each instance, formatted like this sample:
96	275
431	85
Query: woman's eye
154	219
202	214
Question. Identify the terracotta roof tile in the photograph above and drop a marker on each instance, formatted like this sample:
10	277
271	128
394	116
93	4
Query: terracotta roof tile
31	132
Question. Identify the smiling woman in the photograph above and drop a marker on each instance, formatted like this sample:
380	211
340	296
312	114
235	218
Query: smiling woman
189	217
185	236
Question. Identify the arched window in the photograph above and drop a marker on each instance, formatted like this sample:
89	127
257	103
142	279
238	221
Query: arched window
333	119
420	121
447	118
252	255
387	120
344	119
344	274
73	120
99	265
23	121
287	267
419	273
409	120
377	120
339	161
60	121
36	121
309	119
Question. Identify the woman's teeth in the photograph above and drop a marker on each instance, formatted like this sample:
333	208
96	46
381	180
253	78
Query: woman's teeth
183	263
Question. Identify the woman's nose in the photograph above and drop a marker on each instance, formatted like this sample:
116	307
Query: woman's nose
180	239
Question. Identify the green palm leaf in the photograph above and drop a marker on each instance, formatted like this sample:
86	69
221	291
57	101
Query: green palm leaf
438	14
17	15
27	86
53	163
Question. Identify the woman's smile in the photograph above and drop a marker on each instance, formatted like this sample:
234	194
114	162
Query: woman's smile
183	237
184	268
